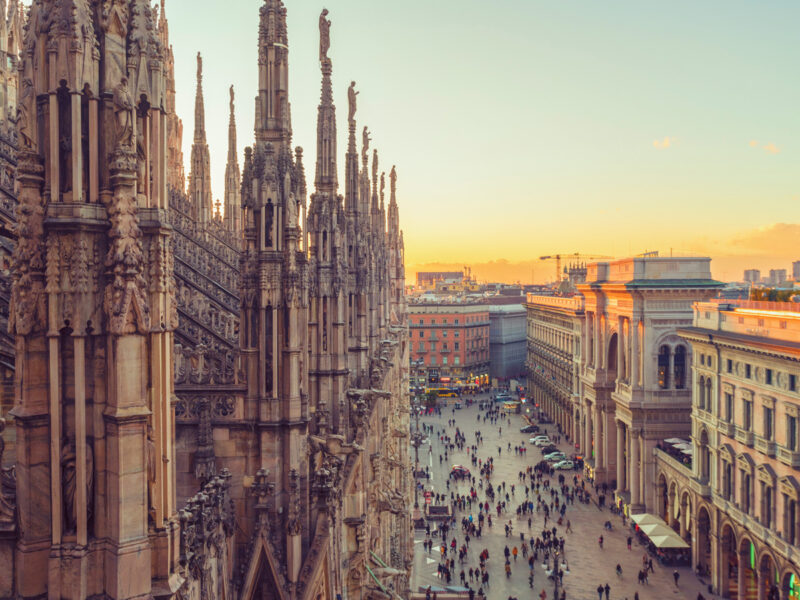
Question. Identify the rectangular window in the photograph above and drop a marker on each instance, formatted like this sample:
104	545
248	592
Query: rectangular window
433	360
433	346
444	361
421	334
456	334
791	519
747	415
768	376
747	371
747	490
729	407
456	321
769	421
456	345
791	433
729	366
703	359
444	321
444	333
457	360
792	383
422	346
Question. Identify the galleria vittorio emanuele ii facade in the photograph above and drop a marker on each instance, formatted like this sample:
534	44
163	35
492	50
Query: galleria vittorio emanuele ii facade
197	404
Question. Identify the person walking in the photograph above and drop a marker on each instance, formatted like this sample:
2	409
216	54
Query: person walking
600	592
676	576
607	590
630	541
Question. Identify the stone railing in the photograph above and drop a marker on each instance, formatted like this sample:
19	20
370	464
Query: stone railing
574	303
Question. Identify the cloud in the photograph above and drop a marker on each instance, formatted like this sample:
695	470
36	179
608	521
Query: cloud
665	143
779	239
769	148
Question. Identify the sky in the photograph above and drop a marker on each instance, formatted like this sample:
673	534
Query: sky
523	128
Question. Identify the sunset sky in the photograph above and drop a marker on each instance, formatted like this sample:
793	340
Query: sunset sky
527	127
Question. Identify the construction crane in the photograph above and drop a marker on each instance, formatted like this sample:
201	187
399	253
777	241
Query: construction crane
576	255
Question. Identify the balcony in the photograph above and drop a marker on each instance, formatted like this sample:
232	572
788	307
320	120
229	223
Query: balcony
445	351
746	437
726	428
765	446
788	457
701	487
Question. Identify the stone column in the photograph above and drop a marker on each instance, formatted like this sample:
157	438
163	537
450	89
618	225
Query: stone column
670	378
595	347
598	461
620	469
586	429
620	355
634	333
634	468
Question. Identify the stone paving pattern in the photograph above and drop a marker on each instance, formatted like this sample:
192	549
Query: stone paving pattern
589	566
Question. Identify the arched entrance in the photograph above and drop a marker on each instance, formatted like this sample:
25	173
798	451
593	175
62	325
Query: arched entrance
790	587
747	580
729	563
672	507
663	500
768	578
703	540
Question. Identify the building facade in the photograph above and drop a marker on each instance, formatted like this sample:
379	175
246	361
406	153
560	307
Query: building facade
752	276
507	332
554	327
634	366
449	342
204	406
743	492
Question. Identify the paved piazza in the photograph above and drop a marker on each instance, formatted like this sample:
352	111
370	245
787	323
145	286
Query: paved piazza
588	564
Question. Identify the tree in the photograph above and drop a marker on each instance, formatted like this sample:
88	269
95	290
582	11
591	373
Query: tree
431	398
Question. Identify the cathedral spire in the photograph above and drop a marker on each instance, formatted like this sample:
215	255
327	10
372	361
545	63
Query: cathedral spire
326	180
394	213
199	108
273	119
233	220
200	175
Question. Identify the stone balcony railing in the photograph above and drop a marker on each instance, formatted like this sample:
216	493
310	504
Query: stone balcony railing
764	445
744	436
726	428
789	457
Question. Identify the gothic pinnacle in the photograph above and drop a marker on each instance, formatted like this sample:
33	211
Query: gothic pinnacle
199	108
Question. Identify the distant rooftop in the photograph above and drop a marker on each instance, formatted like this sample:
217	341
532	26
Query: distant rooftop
653	271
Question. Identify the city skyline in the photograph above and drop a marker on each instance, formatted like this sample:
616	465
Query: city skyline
610	130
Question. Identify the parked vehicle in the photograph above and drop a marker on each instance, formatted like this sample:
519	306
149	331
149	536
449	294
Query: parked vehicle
536	438
543	442
530	429
564	464
549	449
555	456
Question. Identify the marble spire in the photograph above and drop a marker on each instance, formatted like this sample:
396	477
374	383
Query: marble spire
233	220
200	175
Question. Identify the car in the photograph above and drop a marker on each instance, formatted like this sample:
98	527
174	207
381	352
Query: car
555	456
537	438
556	459
564	464
459	471
549	449
543	442
530	429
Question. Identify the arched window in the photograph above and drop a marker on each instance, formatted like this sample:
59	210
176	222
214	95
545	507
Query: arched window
680	367
663	367
701	393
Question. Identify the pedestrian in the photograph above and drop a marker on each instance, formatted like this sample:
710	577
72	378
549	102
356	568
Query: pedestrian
676	576
607	590
600	592
630	540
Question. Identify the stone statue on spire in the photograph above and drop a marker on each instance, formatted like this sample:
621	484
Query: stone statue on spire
351	100
324	36
199	68
393	180
231	103
375	167
365	143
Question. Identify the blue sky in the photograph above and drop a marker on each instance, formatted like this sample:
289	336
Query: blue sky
522	128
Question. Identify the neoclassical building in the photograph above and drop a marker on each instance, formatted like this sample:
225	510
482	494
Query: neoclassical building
739	502
635	367
554	327
205	406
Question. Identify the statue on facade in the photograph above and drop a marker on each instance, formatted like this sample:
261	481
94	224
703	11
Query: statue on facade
123	107
351	101
69	483
324	36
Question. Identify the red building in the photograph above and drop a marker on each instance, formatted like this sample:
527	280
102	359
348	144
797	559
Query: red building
449	343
